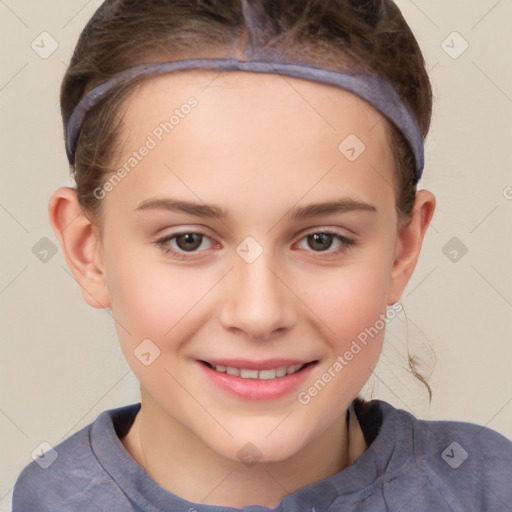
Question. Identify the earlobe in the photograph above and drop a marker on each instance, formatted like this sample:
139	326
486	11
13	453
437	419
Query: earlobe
410	241
80	242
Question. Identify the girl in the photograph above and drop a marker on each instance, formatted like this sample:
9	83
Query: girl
247	207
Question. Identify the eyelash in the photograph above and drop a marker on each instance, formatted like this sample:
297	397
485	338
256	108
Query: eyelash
163	243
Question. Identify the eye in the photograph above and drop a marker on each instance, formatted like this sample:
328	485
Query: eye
323	241
187	244
179	244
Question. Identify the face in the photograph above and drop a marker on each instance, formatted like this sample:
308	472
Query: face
244	240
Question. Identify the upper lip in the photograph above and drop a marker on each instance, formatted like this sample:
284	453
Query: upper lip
266	364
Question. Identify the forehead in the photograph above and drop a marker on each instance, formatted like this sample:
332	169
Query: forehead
237	95
271	130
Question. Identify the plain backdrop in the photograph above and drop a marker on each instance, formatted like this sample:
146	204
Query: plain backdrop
60	365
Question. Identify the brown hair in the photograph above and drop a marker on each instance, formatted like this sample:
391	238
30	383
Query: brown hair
334	34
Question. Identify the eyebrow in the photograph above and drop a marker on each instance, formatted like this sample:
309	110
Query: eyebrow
297	212
329	208
174	205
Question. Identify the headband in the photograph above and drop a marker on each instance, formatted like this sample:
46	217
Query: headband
369	86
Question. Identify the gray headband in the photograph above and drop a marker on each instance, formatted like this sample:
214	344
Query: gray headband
371	87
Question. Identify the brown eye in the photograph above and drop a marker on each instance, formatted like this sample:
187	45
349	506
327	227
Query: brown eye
330	243
189	241
185	244
320	241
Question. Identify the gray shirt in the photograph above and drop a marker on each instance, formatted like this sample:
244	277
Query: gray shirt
410	465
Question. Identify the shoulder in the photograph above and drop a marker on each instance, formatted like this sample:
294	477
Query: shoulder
463	461
68	476
457	442
56	476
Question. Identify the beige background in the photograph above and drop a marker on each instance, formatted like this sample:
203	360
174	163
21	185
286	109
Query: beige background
60	365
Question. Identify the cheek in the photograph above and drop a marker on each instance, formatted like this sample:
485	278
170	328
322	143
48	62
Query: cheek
351	305
147	296
140	299
359	326
155	301
351	298
352	310
153	306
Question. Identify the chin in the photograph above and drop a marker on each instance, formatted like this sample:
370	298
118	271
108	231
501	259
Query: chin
256	449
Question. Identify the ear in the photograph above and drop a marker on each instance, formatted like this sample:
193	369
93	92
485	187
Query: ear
410	240
80	242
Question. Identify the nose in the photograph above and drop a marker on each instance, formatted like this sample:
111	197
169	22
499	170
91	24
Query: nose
257	300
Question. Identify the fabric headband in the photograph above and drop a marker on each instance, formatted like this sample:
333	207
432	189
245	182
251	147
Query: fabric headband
369	86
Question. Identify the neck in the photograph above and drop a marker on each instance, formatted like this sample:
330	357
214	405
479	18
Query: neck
181	463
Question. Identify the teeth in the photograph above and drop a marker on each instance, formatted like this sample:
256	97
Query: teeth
269	374
248	374
293	368
281	371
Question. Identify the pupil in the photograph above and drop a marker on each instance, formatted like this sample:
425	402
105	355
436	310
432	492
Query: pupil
190	241
320	241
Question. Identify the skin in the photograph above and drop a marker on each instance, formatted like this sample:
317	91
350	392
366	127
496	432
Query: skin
256	146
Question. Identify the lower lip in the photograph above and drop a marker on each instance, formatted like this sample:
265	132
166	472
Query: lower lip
256	389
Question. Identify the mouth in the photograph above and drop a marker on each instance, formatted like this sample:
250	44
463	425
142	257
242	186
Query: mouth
277	372
255	381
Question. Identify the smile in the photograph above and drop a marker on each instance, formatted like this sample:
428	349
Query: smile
267	374
258	380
